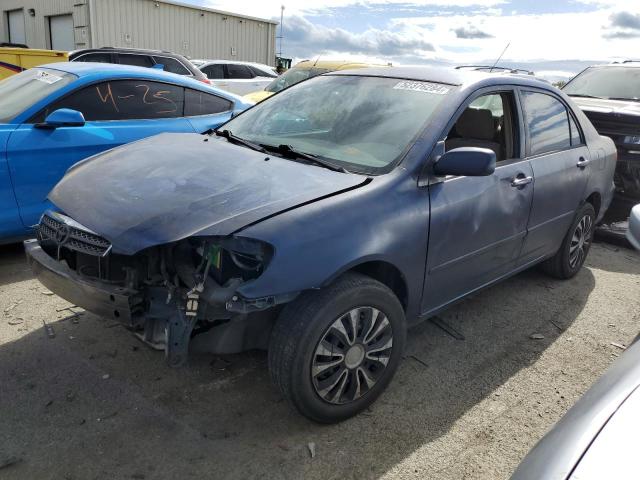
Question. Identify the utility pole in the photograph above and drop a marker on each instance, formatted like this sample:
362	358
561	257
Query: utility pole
280	37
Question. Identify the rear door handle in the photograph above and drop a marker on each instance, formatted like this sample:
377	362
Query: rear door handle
582	162
521	181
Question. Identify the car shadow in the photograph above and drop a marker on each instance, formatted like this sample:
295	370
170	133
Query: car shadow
93	402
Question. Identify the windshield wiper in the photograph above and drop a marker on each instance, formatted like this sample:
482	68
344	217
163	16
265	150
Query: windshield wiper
625	99
289	151
239	141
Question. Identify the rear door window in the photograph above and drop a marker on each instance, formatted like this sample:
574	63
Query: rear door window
172	65
201	103
123	100
135	60
235	71
547	121
214	72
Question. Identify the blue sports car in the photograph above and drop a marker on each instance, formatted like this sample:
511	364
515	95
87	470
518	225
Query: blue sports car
55	115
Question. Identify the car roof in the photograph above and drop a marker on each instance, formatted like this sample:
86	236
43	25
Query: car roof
450	76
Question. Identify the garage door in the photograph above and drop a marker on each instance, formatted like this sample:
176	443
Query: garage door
16	27
61	28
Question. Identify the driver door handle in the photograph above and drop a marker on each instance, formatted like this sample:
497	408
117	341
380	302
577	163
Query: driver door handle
521	181
582	162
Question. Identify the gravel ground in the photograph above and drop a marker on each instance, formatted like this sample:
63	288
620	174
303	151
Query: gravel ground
94	403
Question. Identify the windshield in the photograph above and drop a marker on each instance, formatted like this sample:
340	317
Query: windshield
607	82
292	77
19	92
362	124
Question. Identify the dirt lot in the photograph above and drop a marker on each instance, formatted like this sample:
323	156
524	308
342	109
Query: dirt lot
94	403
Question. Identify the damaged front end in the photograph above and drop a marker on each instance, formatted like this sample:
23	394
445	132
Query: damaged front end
170	295
623	127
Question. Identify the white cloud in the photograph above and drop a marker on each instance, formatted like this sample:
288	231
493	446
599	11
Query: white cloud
589	36
531	37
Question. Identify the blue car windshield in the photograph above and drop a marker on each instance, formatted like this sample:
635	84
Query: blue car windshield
19	92
363	124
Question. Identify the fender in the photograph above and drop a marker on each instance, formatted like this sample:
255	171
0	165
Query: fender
318	242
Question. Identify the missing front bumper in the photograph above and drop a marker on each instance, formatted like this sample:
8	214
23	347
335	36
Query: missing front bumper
96	297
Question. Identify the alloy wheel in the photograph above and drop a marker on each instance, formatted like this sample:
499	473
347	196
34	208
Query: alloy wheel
580	241
352	355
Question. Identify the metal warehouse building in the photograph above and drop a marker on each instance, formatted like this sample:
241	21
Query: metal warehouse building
158	24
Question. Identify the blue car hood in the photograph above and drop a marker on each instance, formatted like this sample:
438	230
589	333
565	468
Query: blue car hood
172	186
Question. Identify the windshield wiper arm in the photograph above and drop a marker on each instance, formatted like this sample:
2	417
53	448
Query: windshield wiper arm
288	150
239	141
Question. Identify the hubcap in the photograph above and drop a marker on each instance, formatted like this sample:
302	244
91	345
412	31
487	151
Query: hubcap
580	242
352	355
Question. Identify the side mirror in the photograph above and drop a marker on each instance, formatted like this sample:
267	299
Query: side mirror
158	66
63	117
633	231
466	161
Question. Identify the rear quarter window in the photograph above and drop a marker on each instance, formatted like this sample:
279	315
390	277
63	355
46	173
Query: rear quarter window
261	73
200	103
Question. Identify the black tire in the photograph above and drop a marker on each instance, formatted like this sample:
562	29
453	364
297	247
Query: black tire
562	264
310	319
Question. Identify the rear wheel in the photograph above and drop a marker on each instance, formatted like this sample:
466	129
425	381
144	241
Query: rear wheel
333	351
569	259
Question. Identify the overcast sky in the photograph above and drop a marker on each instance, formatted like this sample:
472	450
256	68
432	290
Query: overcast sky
554	36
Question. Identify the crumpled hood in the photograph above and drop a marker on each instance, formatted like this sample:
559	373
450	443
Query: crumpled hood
172	186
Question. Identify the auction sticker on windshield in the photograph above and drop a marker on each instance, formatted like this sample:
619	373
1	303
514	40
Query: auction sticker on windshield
422	87
47	77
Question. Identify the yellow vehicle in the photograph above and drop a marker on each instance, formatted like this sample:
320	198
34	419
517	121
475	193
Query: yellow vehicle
15	60
301	71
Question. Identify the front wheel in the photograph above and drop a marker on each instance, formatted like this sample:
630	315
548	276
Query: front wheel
576	244
334	351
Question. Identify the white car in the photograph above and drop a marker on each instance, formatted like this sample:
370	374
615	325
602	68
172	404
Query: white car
237	77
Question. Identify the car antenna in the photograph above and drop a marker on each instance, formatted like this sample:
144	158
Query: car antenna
498	59
316	62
